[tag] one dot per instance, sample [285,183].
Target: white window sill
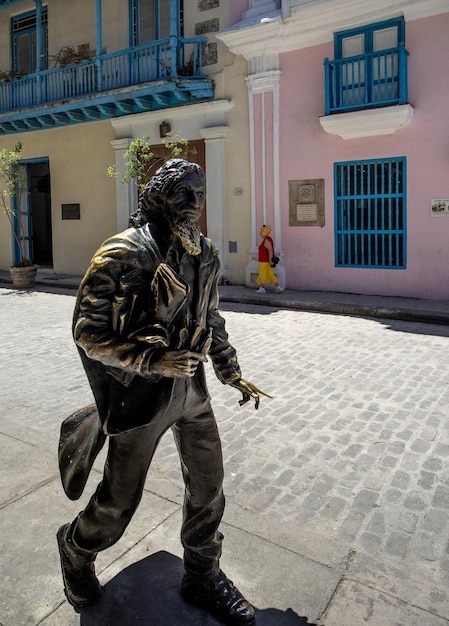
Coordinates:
[368,123]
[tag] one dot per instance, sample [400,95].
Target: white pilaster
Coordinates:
[126,194]
[265,81]
[214,139]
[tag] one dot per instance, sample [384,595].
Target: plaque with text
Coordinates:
[71,211]
[306,202]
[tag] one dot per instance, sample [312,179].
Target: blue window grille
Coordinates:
[369,70]
[370,213]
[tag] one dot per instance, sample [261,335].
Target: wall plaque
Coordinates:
[440,208]
[306,202]
[71,211]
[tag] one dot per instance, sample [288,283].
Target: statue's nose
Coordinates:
[194,199]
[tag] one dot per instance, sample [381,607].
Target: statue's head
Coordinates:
[175,194]
[170,173]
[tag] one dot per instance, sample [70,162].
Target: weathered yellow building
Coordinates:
[79,81]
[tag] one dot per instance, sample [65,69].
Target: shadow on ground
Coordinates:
[147,593]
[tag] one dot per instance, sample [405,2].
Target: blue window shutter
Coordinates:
[370,213]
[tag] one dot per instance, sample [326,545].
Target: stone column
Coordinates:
[214,138]
[126,194]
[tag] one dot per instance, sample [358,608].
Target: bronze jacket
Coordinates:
[141,295]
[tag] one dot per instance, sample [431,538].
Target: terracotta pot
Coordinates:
[23,277]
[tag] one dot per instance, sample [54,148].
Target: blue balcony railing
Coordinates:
[164,59]
[375,79]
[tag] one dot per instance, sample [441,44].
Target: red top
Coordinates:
[264,255]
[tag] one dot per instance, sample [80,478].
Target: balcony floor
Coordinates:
[108,104]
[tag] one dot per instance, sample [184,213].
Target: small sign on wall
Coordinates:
[306,202]
[71,211]
[440,208]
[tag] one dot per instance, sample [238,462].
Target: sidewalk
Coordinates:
[387,307]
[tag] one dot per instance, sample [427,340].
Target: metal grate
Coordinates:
[370,213]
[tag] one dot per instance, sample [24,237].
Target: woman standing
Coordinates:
[266,271]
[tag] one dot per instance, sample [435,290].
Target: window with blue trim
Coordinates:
[23,41]
[150,19]
[370,67]
[370,213]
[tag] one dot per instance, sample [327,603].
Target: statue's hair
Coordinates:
[152,198]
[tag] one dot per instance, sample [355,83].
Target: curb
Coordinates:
[301,303]
[406,315]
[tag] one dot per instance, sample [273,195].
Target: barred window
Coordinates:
[370,213]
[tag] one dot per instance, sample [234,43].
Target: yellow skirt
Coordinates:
[266,274]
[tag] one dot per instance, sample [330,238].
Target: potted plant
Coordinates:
[67,55]
[186,69]
[7,75]
[23,271]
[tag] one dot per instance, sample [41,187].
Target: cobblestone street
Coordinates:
[353,447]
[355,443]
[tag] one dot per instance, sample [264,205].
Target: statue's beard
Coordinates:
[189,232]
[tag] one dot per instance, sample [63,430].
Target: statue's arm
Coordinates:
[223,355]
[101,320]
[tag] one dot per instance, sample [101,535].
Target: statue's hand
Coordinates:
[249,391]
[177,364]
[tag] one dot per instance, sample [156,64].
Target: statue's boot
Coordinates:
[81,585]
[218,595]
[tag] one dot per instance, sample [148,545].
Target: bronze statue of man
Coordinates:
[145,320]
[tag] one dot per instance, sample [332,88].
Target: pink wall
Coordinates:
[308,152]
[236,9]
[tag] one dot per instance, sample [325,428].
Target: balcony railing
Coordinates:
[375,79]
[164,59]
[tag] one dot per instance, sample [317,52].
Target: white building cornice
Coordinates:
[252,41]
[206,111]
[314,23]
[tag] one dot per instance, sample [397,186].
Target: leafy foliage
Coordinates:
[139,156]
[12,188]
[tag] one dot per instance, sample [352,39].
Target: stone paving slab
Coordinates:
[30,578]
[143,585]
[22,478]
[416,586]
[369,606]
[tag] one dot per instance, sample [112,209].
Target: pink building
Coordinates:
[349,137]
